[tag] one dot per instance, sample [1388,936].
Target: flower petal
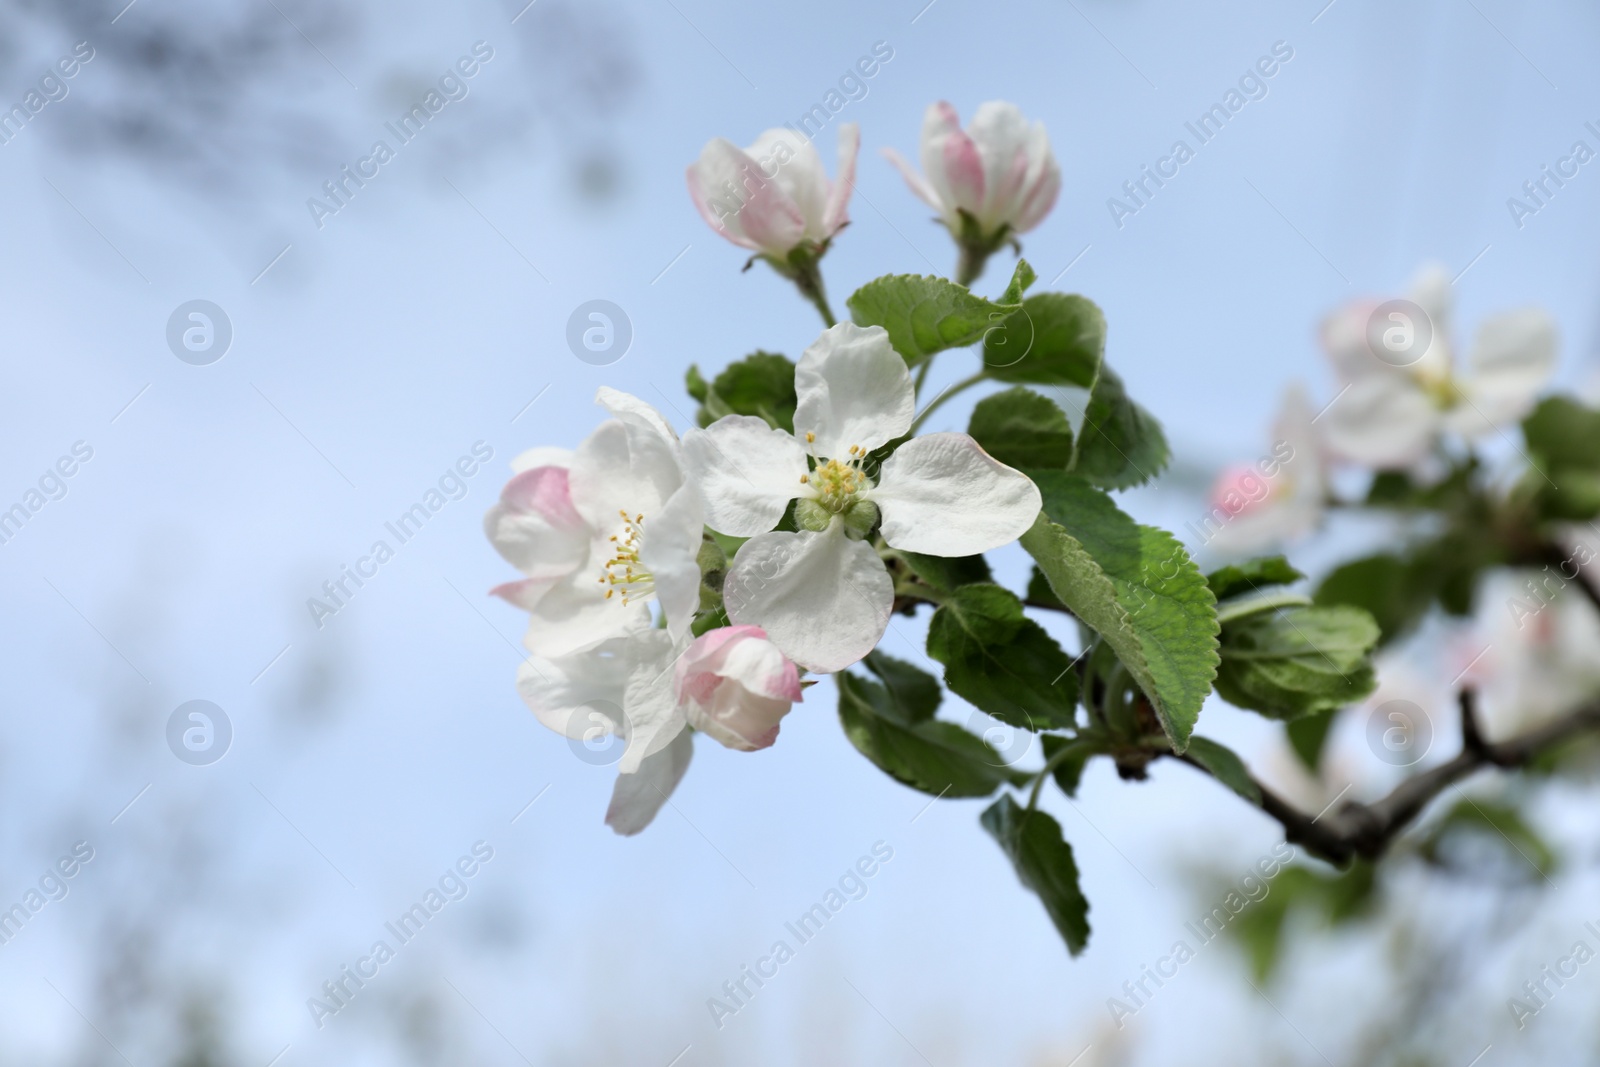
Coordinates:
[1002,139]
[743,204]
[918,184]
[651,707]
[822,598]
[1044,181]
[1382,421]
[943,495]
[542,456]
[622,467]
[746,472]
[670,551]
[534,526]
[853,389]
[837,211]
[797,169]
[576,696]
[575,615]
[635,412]
[1512,358]
[637,797]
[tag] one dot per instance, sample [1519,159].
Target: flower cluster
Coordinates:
[1403,401]
[640,626]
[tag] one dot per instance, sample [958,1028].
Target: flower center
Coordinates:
[838,481]
[623,572]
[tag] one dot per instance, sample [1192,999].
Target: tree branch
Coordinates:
[1363,830]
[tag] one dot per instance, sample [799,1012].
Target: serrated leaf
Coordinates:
[1055,339]
[1137,587]
[1225,766]
[1299,661]
[1023,429]
[924,314]
[1120,443]
[1002,662]
[936,757]
[1043,861]
[948,573]
[914,693]
[1250,576]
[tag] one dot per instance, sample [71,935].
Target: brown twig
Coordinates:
[1366,830]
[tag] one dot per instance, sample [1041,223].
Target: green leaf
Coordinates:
[695,383]
[1021,428]
[1393,591]
[936,757]
[1298,661]
[948,573]
[1039,592]
[1078,750]
[1225,766]
[1002,662]
[1021,277]
[914,693]
[1307,736]
[760,384]
[1137,587]
[1120,443]
[924,314]
[1251,575]
[1055,339]
[1563,433]
[1044,863]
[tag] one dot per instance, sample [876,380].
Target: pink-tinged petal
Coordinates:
[745,205]
[938,123]
[546,491]
[717,205]
[524,594]
[943,495]
[918,184]
[963,173]
[1040,197]
[736,686]
[837,212]
[535,527]
[638,797]
[1006,192]
[1239,490]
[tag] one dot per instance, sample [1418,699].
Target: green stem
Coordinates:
[1044,772]
[961,386]
[918,591]
[922,375]
[808,279]
[970,264]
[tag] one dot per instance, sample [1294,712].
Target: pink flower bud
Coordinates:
[1000,170]
[774,195]
[735,686]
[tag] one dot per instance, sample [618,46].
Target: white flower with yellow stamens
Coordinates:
[822,594]
[601,532]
